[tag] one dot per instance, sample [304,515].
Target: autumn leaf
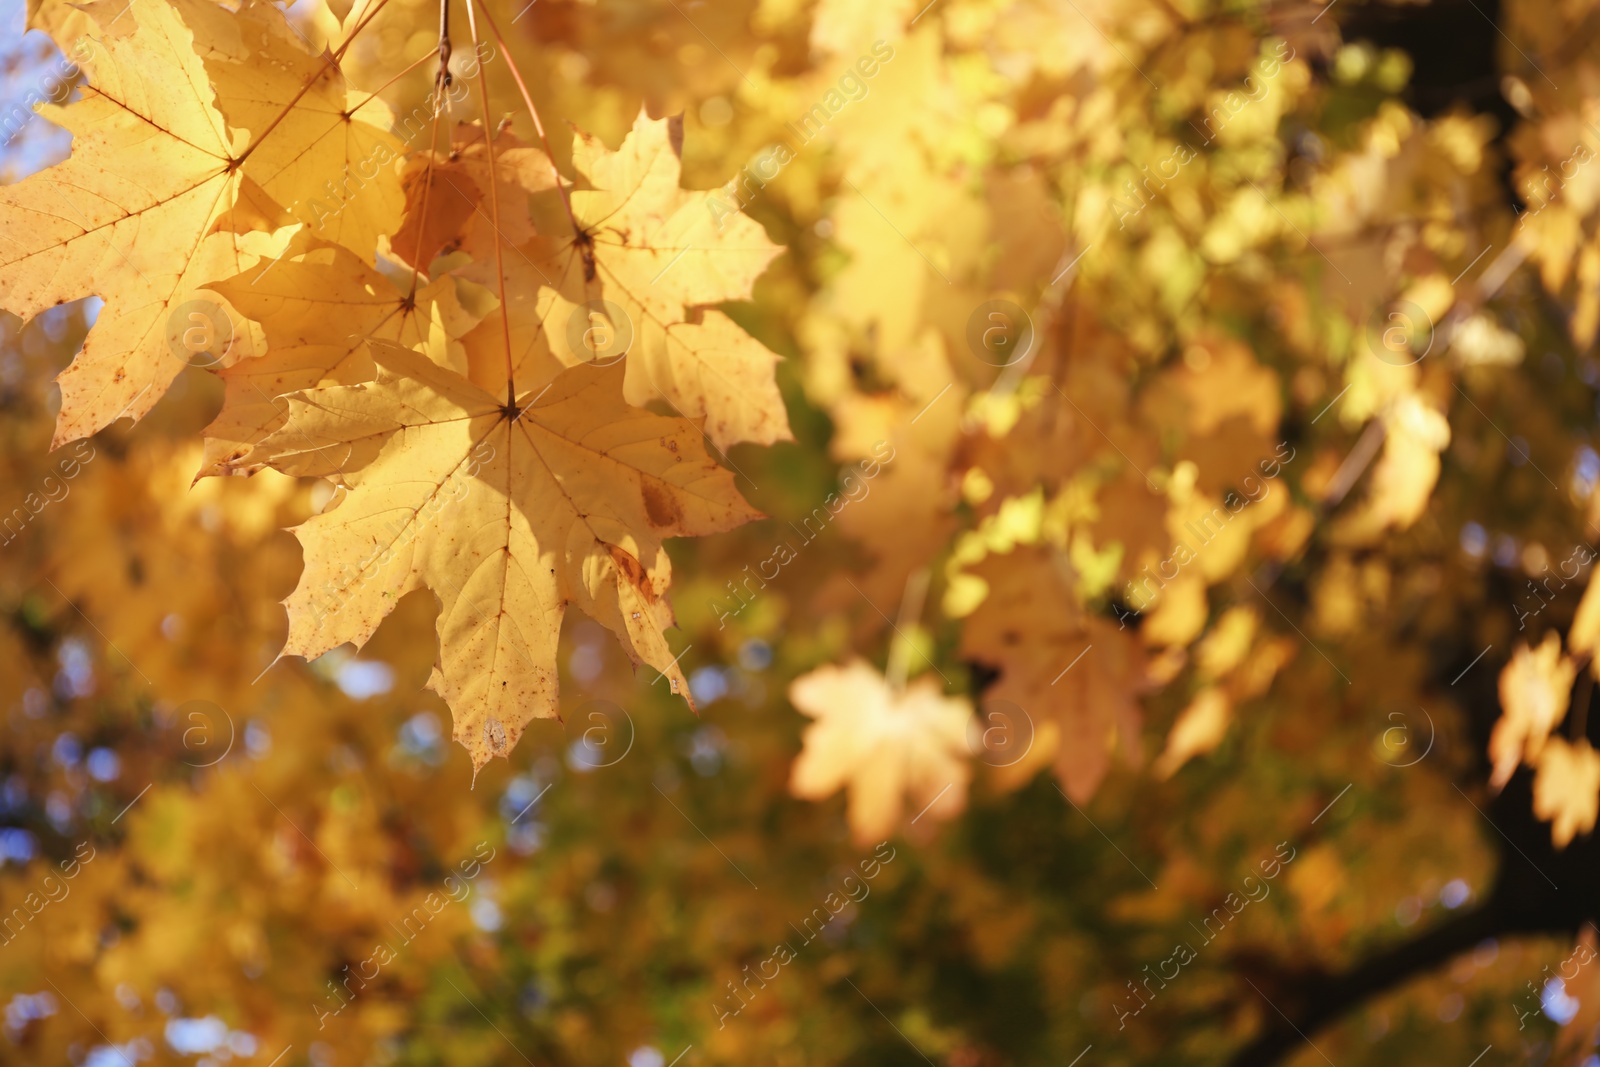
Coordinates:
[318,147]
[1229,639]
[1566,788]
[1405,474]
[447,201]
[1583,637]
[661,256]
[1074,673]
[883,746]
[149,208]
[318,307]
[1534,689]
[1222,249]
[507,514]
[1200,727]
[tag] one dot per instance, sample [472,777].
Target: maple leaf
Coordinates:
[881,745]
[149,207]
[1074,673]
[507,514]
[1583,637]
[1404,477]
[660,255]
[448,205]
[317,147]
[1200,727]
[1566,789]
[1534,689]
[318,307]
[905,467]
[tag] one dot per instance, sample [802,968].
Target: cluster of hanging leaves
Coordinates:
[1168,410]
[474,452]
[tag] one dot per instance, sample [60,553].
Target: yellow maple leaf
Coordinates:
[318,148]
[1179,612]
[1224,648]
[317,308]
[881,745]
[1200,728]
[448,203]
[1073,673]
[649,260]
[1404,476]
[1584,636]
[507,513]
[1534,689]
[1566,789]
[149,207]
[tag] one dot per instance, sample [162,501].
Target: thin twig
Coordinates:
[338,53]
[427,193]
[441,80]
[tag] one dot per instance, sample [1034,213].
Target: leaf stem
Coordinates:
[911,602]
[374,94]
[527,99]
[494,207]
[440,82]
[338,53]
[427,190]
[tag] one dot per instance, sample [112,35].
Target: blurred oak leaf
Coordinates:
[507,513]
[882,745]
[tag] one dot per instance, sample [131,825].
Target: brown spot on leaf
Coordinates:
[660,507]
[634,571]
